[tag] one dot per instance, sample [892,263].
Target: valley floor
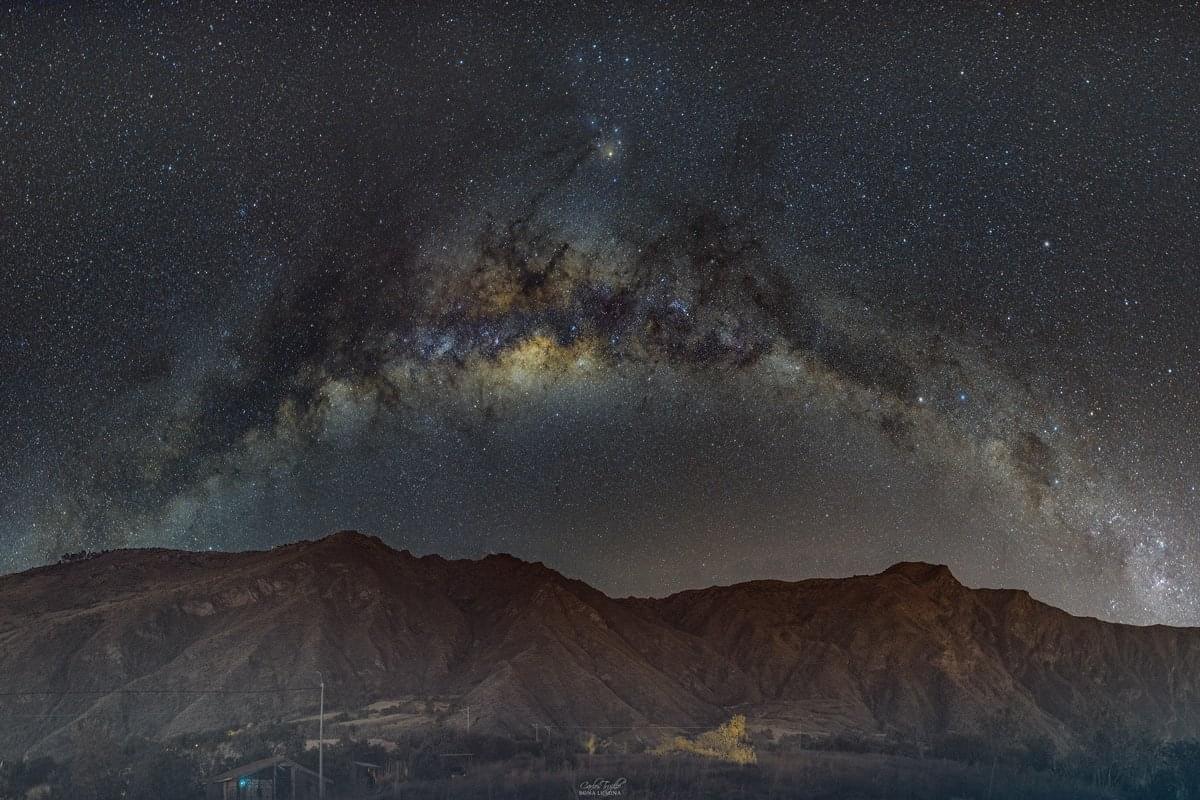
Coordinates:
[815,776]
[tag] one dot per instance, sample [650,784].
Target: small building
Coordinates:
[366,776]
[276,778]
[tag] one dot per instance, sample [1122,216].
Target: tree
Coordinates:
[164,773]
[1177,772]
[20,779]
[727,742]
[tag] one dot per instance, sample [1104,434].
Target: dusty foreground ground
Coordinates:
[842,776]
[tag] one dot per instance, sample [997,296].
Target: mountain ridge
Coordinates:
[909,653]
[900,567]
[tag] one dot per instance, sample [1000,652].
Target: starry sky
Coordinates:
[661,295]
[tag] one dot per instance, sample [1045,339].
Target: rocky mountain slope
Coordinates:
[160,643]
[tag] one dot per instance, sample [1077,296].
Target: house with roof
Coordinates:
[275,778]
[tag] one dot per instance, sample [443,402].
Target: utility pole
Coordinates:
[468,720]
[321,744]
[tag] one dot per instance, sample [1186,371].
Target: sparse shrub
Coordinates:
[965,747]
[1040,752]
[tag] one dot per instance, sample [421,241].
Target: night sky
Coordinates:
[661,295]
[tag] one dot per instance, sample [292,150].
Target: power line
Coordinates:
[76,692]
[631,726]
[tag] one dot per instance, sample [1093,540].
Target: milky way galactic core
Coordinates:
[663,296]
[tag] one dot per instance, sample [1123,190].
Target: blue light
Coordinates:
[243,782]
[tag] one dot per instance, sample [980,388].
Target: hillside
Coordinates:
[136,642]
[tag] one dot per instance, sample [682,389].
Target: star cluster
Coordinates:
[663,296]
